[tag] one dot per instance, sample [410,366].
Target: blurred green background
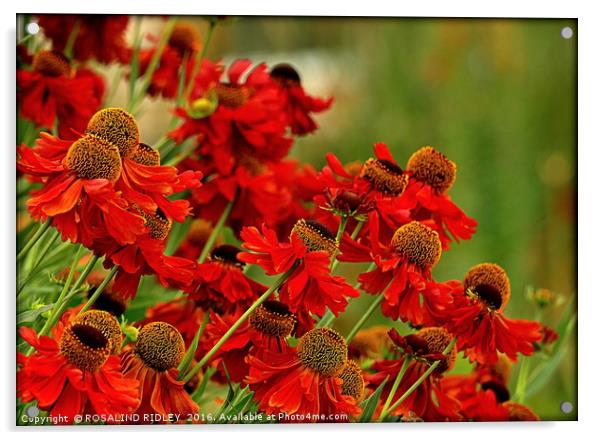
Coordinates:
[497,96]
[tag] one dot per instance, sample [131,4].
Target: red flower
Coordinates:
[431,176]
[298,104]
[146,185]
[266,331]
[153,361]
[310,287]
[477,320]
[518,412]
[233,352]
[78,190]
[248,122]
[304,380]
[178,54]
[428,401]
[221,285]
[181,313]
[143,181]
[479,405]
[302,184]
[403,271]
[108,191]
[74,373]
[482,392]
[146,257]
[101,37]
[54,91]
[258,198]
[549,335]
[378,183]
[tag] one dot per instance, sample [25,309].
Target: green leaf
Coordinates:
[237,407]
[369,405]
[189,356]
[198,393]
[32,315]
[541,376]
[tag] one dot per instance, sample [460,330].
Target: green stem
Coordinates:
[198,59]
[357,229]
[71,40]
[52,318]
[70,275]
[61,303]
[521,383]
[421,379]
[198,393]
[189,356]
[33,240]
[360,323]
[165,140]
[216,230]
[177,158]
[153,64]
[402,372]
[329,317]
[99,289]
[334,262]
[194,370]
[38,259]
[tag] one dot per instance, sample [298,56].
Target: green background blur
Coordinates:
[497,96]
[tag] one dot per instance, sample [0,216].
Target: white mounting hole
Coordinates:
[566,33]
[32,28]
[566,407]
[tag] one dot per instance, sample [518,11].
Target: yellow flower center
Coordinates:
[285,75]
[146,155]
[158,224]
[273,318]
[353,382]
[437,339]
[418,243]
[104,322]
[232,96]
[323,350]
[94,158]
[109,300]
[118,127]
[185,37]
[520,413]
[488,283]
[315,236]
[52,63]
[199,232]
[85,347]
[432,167]
[227,254]
[160,346]
[385,176]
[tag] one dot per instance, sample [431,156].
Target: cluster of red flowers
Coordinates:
[100,186]
[108,191]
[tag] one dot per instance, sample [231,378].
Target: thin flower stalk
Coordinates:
[193,371]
